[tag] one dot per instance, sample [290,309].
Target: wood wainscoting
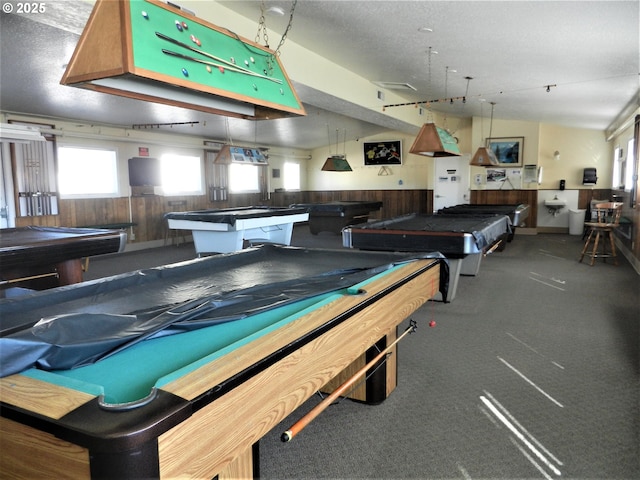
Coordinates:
[394,202]
[509,197]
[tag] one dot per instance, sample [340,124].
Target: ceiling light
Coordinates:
[485,157]
[248,155]
[433,141]
[336,163]
[165,71]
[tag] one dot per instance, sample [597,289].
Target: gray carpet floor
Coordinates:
[532,372]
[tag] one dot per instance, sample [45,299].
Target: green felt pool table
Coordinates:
[195,404]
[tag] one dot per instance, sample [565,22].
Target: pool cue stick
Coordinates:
[217,65]
[33,181]
[328,400]
[492,249]
[201,52]
[27,179]
[226,64]
[24,279]
[44,174]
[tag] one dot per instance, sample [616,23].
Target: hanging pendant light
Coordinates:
[484,156]
[433,141]
[337,162]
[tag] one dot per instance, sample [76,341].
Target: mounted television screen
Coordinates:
[144,172]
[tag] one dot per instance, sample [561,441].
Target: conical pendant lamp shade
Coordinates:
[433,141]
[336,163]
[484,157]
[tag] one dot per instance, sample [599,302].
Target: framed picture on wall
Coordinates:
[383,153]
[508,150]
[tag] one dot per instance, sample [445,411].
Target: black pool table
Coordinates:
[334,216]
[246,338]
[44,257]
[518,213]
[462,239]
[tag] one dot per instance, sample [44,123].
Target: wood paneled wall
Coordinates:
[585,196]
[509,197]
[93,211]
[146,211]
[394,202]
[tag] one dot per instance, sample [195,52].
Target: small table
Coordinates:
[462,239]
[216,390]
[334,216]
[45,257]
[225,230]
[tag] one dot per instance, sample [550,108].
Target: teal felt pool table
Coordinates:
[251,336]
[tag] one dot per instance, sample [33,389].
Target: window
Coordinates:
[291,176]
[87,172]
[243,178]
[631,161]
[181,175]
[618,171]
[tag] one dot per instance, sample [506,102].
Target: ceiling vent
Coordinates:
[395,86]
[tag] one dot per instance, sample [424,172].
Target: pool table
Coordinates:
[45,257]
[334,216]
[462,239]
[225,230]
[518,213]
[256,333]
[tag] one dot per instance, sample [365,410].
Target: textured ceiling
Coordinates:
[589,51]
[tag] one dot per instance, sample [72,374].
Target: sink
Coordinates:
[555,205]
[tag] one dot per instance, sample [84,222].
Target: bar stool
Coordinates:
[607,219]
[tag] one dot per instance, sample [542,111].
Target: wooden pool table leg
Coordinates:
[70,272]
[379,383]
